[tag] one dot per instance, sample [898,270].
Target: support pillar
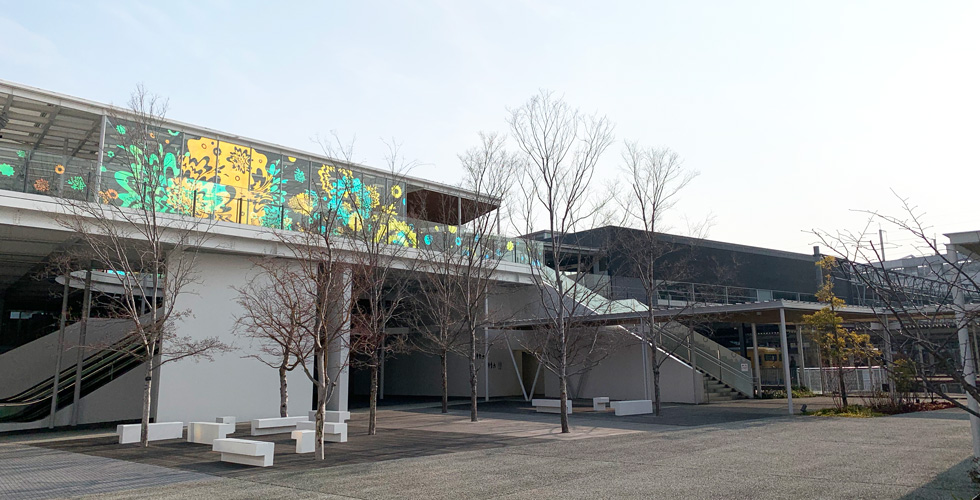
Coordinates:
[80,353]
[784,344]
[755,361]
[338,354]
[801,362]
[741,340]
[61,348]
[486,364]
[966,356]
[381,372]
[486,345]
[889,360]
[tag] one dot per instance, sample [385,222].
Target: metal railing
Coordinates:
[710,357]
[681,292]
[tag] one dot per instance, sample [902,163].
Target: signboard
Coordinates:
[745,367]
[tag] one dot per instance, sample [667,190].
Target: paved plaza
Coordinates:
[739,449]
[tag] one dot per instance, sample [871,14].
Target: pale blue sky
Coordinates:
[793,112]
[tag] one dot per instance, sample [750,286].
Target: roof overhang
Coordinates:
[967,243]
[753,312]
[447,208]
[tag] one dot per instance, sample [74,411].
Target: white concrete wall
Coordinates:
[418,374]
[192,390]
[620,376]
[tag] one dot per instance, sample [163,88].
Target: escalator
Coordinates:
[98,370]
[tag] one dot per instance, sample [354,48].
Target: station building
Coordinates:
[55,147]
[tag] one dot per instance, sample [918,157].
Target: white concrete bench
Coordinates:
[599,404]
[226,420]
[130,433]
[207,432]
[551,405]
[264,426]
[333,432]
[305,441]
[336,417]
[244,451]
[637,407]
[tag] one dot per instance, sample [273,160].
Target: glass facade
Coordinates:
[172,171]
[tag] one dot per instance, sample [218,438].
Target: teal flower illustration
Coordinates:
[76,183]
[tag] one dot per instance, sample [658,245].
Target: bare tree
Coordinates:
[381,266]
[148,239]
[320,272]
[655,178]
[927,315]
[460,262]
[561,150]
[280,315]
[371,211]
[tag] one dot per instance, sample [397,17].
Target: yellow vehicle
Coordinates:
[769,357]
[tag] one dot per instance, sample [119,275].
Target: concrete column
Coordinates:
[338,356]
[966,356]
[80,353]
[886,335]
[784,344]
[381,372]
[61,348]
[801,362]
[755,360]
[486,364]
[741,340]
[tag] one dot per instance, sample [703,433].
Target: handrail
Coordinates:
[725,372]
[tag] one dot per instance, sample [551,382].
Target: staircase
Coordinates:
[27,372]
[721,367]
[715,391]
[99,369]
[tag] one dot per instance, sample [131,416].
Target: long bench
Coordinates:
[333,432]
[130,433]
[636,407]
[207,432]
[280,425]
[244,451]
[551,405]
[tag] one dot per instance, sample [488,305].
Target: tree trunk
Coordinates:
[283,395]
[656,382]
[445,383]
[321,404]
[563,398]
[656,365]
[147,388]
[473,380]
[840,382]
[321,401]
[373,401]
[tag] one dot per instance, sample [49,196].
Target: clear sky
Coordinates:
[795,113]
